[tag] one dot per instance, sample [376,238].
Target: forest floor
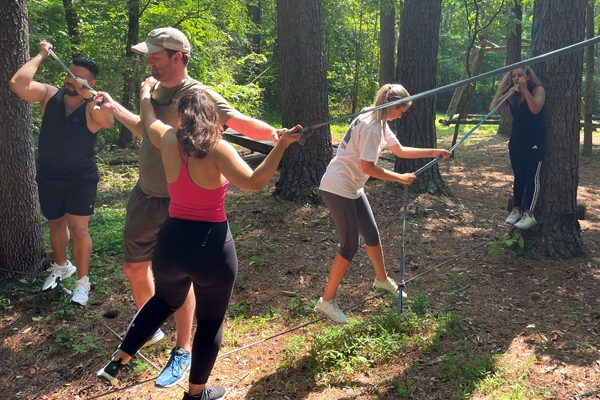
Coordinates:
[483,326]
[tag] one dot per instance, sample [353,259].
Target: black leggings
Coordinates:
[526,164]
[189,252]
[351,217]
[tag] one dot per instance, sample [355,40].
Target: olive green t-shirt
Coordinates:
[152,180]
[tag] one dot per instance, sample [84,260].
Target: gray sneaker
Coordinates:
[526,222]
[331,310]
[58,273]
[514,216]
[389,286]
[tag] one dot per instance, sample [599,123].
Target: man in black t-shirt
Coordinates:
[67,176]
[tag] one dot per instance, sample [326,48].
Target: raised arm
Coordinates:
[241,175]
[155,128]
[22,82]
[130,120]
[253,128]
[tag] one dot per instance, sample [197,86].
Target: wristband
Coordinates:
[89,100]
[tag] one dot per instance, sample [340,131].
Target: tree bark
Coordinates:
[557,233]
[387,42]
[588,129]
[301,43]
[21,239]
[73,26]
[417,68]
[513,55]
[131,69]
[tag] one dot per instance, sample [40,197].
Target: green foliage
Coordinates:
[106,229]
[79,342]
[507,243]
[467,371]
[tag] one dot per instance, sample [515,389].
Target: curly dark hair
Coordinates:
[199,129]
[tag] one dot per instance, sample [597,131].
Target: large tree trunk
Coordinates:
[73,26]
[589,81]
[513,55]
[557,233]
[131,69]
[303,97]
[417,68]
[387,44]
[21,239]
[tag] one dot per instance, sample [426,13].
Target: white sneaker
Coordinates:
[526,222]
[390,286]
[81,291]
[514,216]
[58,273]
[331,310]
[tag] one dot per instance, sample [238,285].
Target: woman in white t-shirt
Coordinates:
[343,193]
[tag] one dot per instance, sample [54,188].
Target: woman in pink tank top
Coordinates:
[194,245]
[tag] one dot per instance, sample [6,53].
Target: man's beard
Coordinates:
[161,76]
[70,92]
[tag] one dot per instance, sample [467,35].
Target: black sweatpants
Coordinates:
[189,253]
[526,165]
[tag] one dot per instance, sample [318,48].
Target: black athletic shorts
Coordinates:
[75,194]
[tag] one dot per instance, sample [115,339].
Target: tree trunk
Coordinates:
[464,112]
[387,42]
[21,239]
[73,26]
[557,234]
[357,64]
[588,129]
[417,67]
[255,14]
[130,70]
[513,55]
[304,101]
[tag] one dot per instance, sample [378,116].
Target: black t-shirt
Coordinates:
[66,145]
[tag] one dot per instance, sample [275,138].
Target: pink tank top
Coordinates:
[190,201]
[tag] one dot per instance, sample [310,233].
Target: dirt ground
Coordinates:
[541,314]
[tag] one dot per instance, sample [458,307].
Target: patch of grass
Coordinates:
[495,384]
[106,229]
[467,371]
[337,350]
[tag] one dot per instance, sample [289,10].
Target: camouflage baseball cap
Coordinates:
[163,38]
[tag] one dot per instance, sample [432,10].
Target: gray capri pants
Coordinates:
[352,217]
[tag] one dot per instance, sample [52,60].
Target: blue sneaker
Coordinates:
[179,362]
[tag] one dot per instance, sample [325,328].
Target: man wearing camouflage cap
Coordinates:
[168,53]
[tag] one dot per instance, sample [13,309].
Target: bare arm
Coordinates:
[22,82]
[130,120]
[241,175]
[100,118]
[369,168]
[535,100]
[412,152]
[253,128]
[155,128]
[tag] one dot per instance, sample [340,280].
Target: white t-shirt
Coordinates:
[364,140]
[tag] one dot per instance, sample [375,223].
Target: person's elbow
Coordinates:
[367,167]
[13,85]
